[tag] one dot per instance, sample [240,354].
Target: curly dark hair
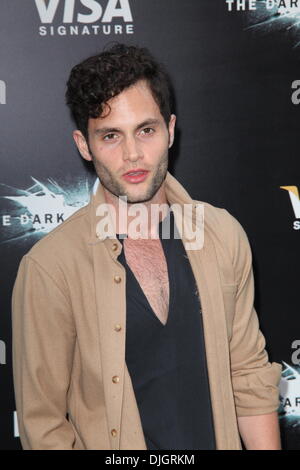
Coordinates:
[97,79]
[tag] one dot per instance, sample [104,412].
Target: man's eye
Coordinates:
[110,136]
[147,131]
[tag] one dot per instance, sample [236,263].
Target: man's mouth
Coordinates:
[135,176]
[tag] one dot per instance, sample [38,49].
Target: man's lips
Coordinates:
[135,176]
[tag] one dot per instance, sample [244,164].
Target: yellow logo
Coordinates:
[295,200]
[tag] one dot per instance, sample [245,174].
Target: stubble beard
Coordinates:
[111,184]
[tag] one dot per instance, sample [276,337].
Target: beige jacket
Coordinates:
[68,300]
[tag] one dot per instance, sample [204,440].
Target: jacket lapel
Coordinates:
[204,264]
[124,425]
[205,267]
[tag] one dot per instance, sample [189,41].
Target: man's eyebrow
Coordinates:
[148,122]
[108,130]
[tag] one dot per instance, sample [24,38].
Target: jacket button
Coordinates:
[116,379]
[115,247]
[118,328]
[117,279]
[114,432]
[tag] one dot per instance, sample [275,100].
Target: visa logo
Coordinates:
[114,9]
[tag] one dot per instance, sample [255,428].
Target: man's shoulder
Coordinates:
[224,229]
[216,217]
[63,239]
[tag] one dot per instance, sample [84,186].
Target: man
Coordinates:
[136,342]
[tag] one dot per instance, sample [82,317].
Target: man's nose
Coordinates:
[131,149]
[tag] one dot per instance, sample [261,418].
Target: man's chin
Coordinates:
[127,196]
[139,195]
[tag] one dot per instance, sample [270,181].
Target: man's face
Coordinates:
[131,137]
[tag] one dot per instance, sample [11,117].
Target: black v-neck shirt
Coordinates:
[167,363]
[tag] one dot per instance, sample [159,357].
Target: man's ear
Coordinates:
[172,129]
[82,145]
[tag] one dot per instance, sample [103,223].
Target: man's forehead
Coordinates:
[135,104]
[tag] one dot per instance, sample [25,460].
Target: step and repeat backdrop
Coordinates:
[236,76]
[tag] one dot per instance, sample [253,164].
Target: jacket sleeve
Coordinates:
[255,380]
[43,344]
